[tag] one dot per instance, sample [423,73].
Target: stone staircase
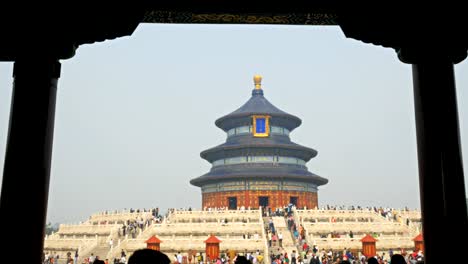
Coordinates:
[392,234]
[298,222]
[101,251]
[117,248]
[188,230]
[288,244]
[413,229]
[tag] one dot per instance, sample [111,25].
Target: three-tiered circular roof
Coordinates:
[247,145]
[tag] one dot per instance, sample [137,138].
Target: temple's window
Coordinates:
[288,160]
[279,130]
[218,162]
[231,132]
[259,159]
[262,158]
[248,130]
[243,130]
[276,130]
[235,160]
[239,130]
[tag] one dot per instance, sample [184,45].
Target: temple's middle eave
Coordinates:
[224,150]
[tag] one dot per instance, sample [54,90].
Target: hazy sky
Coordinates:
[133,114]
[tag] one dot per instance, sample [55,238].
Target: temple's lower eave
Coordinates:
[209,180]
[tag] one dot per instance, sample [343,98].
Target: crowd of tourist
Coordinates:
[54,258]
[312,255]
[309,256]
[305,254]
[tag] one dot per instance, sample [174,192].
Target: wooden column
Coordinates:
[247,198]
[441,180]
[26,172]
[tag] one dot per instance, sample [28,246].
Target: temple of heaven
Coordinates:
[258,165]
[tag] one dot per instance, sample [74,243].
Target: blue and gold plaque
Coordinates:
[261,125]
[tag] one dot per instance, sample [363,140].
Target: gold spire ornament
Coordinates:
[258,81]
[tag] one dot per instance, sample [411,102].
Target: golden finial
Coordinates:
[258,81]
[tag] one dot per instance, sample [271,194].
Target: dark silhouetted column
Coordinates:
[26,173]
[441,181]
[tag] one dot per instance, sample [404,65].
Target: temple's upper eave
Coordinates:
[258,105]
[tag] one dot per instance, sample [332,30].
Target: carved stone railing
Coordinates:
[62,246]
[215,216]
[383,243]
[86,229]
[186,244]
[266,257]
[314,228]
[119,217]
[207,228]
[340,215]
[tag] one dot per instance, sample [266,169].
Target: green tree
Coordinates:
[50,228]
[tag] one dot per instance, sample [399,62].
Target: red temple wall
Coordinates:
[277,199]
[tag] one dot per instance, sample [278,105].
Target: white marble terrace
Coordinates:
[183,231]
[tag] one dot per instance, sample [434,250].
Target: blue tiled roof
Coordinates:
[252,171]
[246,144]
[271,145]
[258,104]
